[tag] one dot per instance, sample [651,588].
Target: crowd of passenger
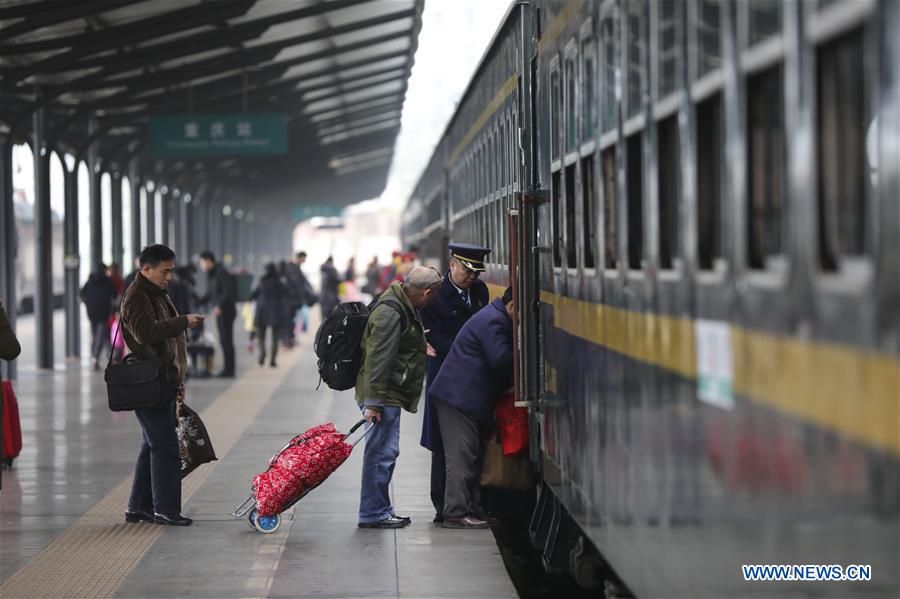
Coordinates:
[425,328]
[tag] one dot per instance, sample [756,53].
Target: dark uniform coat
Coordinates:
[479,367]
[445,315]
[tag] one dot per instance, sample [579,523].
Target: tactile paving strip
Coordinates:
[94,556]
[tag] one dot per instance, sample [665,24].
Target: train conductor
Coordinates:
[461,295]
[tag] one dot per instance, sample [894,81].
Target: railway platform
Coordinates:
[63,532]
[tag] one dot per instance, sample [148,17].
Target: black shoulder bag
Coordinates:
[137,383]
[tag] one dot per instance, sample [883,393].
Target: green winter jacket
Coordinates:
[393,361]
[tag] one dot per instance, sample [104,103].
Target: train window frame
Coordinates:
[590,216]
[556,105]
[589,78]
[571,98]
[717,272]
[745,12]
[511,154]
[697,68]
[504,166]
[610,72]
[610,209]
[673,211]
[635,210]
[772,271]
[854,274]
[571,182]
[656,50]
[556,181]
[633,108]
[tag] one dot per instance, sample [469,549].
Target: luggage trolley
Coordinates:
[269,523]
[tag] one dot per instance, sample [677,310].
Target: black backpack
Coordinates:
[338,340]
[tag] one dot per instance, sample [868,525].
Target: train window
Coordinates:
[610,225]
[709,46]
[571,132]
[492,164]
[501,226]
[668,50]
[669,182]
[610,73]
[635,213]
[709,181]
[765,166]
[764,19]
[570,216]
[482,172]
[502,141]
[588,216]
[588,99]
[635,15]
[555,106]
[843,122]
[557,232]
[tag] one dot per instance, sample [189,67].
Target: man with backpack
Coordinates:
[390,379]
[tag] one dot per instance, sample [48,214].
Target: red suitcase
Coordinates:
[300,466]
[12,429]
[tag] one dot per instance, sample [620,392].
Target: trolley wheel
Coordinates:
[264,524]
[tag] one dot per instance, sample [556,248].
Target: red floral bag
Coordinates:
[512,424]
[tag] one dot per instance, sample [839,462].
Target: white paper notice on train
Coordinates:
[715,372]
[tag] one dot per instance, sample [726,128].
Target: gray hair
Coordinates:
[423,277]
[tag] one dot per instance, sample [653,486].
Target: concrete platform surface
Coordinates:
[62,533]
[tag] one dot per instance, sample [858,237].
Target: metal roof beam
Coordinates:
[60,13]
[89,43]
[227,63]
[263,76]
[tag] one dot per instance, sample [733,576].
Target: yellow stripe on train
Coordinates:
[849,391]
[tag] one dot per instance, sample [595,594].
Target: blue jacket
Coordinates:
[479,366]
[445,315]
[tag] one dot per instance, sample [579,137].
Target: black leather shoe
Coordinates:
[138,516]
[465,522]
[407,518]
[392,522]
[438,519]
[176,520]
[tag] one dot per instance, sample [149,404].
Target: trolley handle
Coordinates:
[355,427]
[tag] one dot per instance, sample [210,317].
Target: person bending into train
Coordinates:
[461,295]
[474,374]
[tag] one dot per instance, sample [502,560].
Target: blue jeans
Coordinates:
[382,449]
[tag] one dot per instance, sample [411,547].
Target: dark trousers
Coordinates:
[157,475]
[463,451]
[100,332]
[273,348]
[225,323]
[438,463]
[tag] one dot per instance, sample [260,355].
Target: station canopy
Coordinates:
[110,72]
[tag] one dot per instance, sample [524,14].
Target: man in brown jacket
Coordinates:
[152,328]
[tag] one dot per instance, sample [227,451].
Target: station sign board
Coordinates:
[300,213]
[199,135]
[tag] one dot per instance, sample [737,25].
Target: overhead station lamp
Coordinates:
[187,198]
[163,190]
[151,186]
[176,193]
[239,214]
[226,210]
